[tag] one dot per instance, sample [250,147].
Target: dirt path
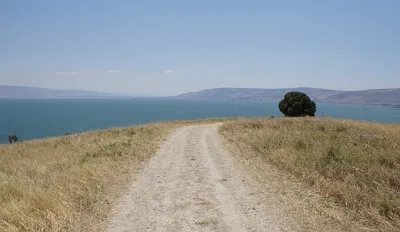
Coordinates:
[193,184]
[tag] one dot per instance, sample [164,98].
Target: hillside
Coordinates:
[354,164]
[373,96]
[69,183]
[33,92]
[317,173]
[256,94]
[382,96]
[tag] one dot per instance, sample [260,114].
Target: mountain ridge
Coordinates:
[370,96]
[20,92]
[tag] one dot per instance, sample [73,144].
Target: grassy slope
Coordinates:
[69,183]
[356,164]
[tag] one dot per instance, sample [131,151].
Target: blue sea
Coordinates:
[30,119]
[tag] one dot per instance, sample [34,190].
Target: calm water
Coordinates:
[41,118]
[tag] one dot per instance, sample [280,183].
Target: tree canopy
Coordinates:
[297,104]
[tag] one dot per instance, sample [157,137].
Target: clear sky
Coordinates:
[169,47]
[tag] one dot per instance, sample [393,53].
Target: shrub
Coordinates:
[13,138]
[297,104]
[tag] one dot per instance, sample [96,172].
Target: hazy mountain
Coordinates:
[382,96]
[32,92]
[372,96]
[257,94]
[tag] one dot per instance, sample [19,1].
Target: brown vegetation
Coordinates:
[68,183]
[354,163]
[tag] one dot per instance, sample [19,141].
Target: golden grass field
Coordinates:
[68,183]
[356,164]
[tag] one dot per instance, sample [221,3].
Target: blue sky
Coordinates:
[169,47]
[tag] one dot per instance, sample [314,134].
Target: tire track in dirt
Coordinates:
[193,184]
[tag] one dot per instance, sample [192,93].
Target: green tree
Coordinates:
[297,104]
[15,138]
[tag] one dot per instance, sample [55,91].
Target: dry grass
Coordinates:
[69,183]
[354,163]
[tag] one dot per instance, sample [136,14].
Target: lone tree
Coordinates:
[297,104]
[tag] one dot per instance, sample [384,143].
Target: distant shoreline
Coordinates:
[193,99]
[371,96]
[365,97]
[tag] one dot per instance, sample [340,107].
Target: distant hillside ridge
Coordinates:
[257,93]
[33,92]
[43,93]
[372,96]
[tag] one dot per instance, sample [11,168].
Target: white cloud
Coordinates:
[67,73]
[169,71]
[113,71]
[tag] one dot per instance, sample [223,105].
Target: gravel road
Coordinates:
[193,184]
